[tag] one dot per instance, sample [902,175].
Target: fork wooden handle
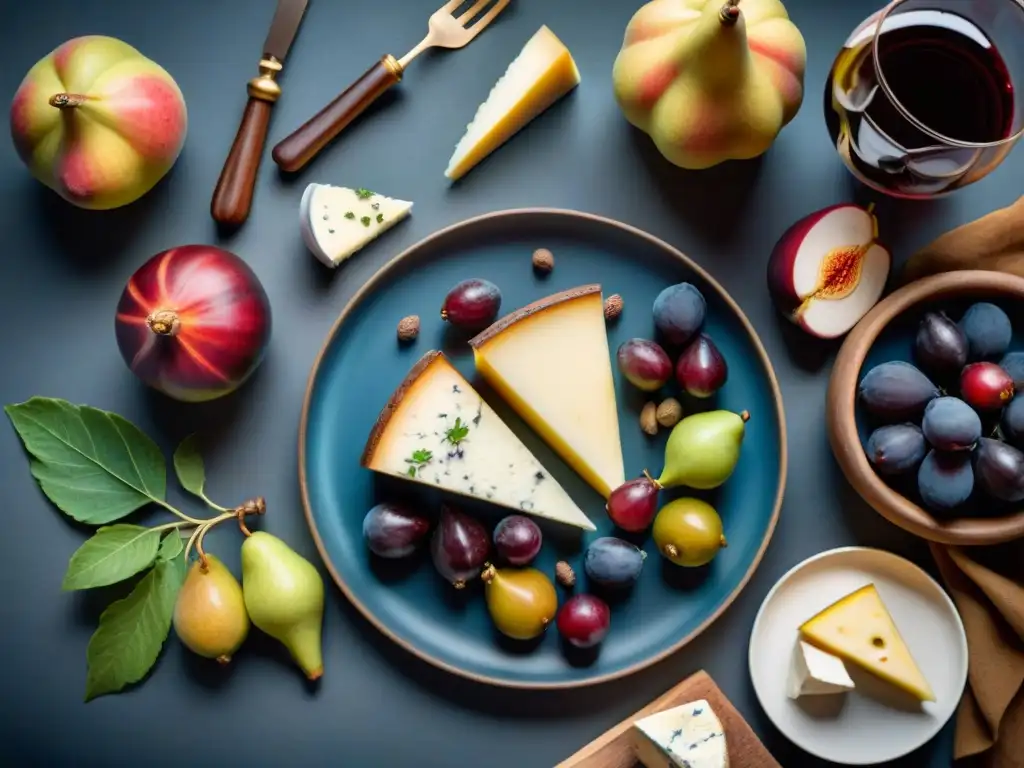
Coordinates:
[294,151]
[232,198]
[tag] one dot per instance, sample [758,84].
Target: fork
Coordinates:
[445,31]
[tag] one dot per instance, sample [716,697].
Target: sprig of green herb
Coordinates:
[98,468]
[349,215]
[364,194]
[420,458]
[457,433]
[365,221]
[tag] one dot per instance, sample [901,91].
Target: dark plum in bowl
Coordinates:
[928,448]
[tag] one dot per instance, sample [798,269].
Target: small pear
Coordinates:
[209,614]
[284,595]
[522,601]
[703,449]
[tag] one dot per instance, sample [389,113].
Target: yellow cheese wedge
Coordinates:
[550,361]
[859,629]
[541,74]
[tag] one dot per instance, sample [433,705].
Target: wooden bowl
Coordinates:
[894,318]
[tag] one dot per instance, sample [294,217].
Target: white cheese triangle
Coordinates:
[437,430]
[540,75]
[338,221]
[815,672]
[687,736]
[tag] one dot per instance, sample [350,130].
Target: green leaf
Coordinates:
[132,631]
[94,465]
[113,554]
[188,463]
[171,546]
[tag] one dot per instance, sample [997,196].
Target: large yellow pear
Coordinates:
[711,80]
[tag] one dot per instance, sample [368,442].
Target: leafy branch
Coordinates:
[98,468]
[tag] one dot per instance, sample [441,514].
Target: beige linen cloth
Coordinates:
[986,583]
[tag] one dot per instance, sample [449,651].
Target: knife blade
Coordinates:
[232,197]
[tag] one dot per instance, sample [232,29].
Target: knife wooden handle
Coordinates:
[294,151]
[232,197]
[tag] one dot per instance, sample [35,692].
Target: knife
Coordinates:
[232,197]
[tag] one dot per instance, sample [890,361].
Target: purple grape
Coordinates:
[950,424]
[945,480]
[472,304]
[517,539]
[613,562]
[644,364]
[988,330]
[393,531]
[701,370]
[1013,421]
[584,620]
[633,505]
[459,547]
[896,391]
[896,449]
[1000,470]
[941,345]
[679,312]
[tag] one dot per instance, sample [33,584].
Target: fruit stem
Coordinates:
[745,415]
[203,563]
[722,542]
[67,100]
[164,322]
[730,12]
[671,550]
[179,514]
[655,483]
[488,573]
[257,506]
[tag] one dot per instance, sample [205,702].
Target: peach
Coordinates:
[98,122]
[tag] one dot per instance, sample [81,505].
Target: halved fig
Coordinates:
[828,270]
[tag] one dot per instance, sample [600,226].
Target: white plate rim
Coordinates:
[828,554]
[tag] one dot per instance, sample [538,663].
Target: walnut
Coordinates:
[649,419]
[408,328]
[612,306]
[543,260]
[564,574]
[669,412]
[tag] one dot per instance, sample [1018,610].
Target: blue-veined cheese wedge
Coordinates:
[688,736]
[338,221]
[437,430]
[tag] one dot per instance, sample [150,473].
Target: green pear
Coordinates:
[703,449]
[284,595]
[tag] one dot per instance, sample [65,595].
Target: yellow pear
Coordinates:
[209,614]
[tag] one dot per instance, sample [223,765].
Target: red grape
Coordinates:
[701,370]
[517,539]
[459,547]
[633,505]
[392,531]
[584,620]
[472,304]
[644,364]
[986,386]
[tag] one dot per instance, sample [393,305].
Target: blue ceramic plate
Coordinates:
[361,363]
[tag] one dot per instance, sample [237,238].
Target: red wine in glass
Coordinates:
[921,100]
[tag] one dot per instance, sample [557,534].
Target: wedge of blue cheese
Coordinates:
[437,430]
[338,221]
[815,672]
[688,736]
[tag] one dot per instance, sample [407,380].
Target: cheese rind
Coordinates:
[540,75]
[815,672]
[860,629]
[338,221]
[437,430]
[687,736]
[551,362]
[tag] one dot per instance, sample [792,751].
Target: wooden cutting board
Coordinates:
[613,749]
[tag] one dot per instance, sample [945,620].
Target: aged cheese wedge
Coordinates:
[859,629]
[687,736]
[815,672]
[550,361]
[541,74]
[338,221]
[438,431]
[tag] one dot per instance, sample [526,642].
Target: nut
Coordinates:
[612,307]
[543,260]
[669,412]
[564,574]
[408,328]
[649,419]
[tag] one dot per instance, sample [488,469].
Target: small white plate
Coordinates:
[875,722]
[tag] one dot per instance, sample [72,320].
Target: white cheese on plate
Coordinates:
[815,672]
[338,221]
[688,736]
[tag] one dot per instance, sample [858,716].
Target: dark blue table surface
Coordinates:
[62,271]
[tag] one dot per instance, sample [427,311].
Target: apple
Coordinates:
[98,122]
[828,270]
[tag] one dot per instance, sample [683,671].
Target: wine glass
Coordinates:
[927,96]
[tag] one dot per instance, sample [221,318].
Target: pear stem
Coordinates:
[730,12]
[203,563]
[67,100]
[257,506]
[654,482]
[745,415]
